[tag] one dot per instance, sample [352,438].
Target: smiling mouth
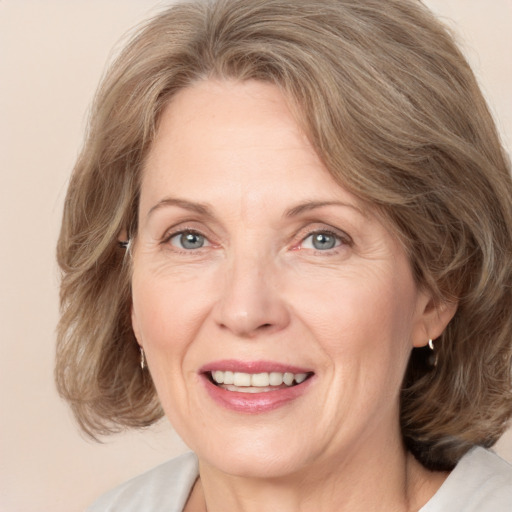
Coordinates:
[256,382]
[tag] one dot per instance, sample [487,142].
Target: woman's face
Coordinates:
[252,266]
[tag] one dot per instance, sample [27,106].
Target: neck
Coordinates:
[363,480]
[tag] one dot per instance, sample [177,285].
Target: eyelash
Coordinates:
[169,236]
[341,240]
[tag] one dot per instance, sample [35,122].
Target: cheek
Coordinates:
[353,307]
[362,322]
[165,317]
[167,312]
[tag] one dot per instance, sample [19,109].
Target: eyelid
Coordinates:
[179,234]
[172,232]
[338,240]
[184,225]
[340,235]
[180,229]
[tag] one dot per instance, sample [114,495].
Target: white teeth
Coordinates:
[275,379]
[248,389]
[261,380]
[257,380]
[288,378]
[242,379]
[300,377]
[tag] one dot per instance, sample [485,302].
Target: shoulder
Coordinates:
[165,487]
[480,482]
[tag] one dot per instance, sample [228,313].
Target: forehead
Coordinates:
[241,135]
[215,116]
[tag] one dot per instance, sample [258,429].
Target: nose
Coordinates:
[250,300]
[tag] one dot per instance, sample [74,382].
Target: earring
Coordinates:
[432,357]
[142,358]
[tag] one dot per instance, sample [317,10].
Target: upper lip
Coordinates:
[234,365]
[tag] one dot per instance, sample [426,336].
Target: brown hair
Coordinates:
[394,111]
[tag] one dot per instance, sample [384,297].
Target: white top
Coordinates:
[481,482]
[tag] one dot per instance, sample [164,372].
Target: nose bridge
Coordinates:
[250,301]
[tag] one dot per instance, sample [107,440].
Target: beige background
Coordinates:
[52,54]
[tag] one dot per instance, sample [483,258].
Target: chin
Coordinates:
[266,457]
[256,465]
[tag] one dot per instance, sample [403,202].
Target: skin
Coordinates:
[259,289]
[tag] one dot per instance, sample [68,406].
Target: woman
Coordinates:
[289,230]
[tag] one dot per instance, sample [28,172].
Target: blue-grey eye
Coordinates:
[321,241]
[188,240]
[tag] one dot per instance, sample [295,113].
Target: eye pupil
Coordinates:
[323,241]
[191,241]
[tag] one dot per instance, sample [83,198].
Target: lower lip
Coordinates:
[255,403]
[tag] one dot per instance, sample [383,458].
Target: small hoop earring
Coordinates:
[432,357]
[142,359]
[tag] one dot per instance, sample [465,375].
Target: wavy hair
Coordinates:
[395,113]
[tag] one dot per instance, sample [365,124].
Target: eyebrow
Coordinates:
[205,210]
[200,208]
[313,205]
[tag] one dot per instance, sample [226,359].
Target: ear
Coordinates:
[122,235]
[433,317]
[123,241]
